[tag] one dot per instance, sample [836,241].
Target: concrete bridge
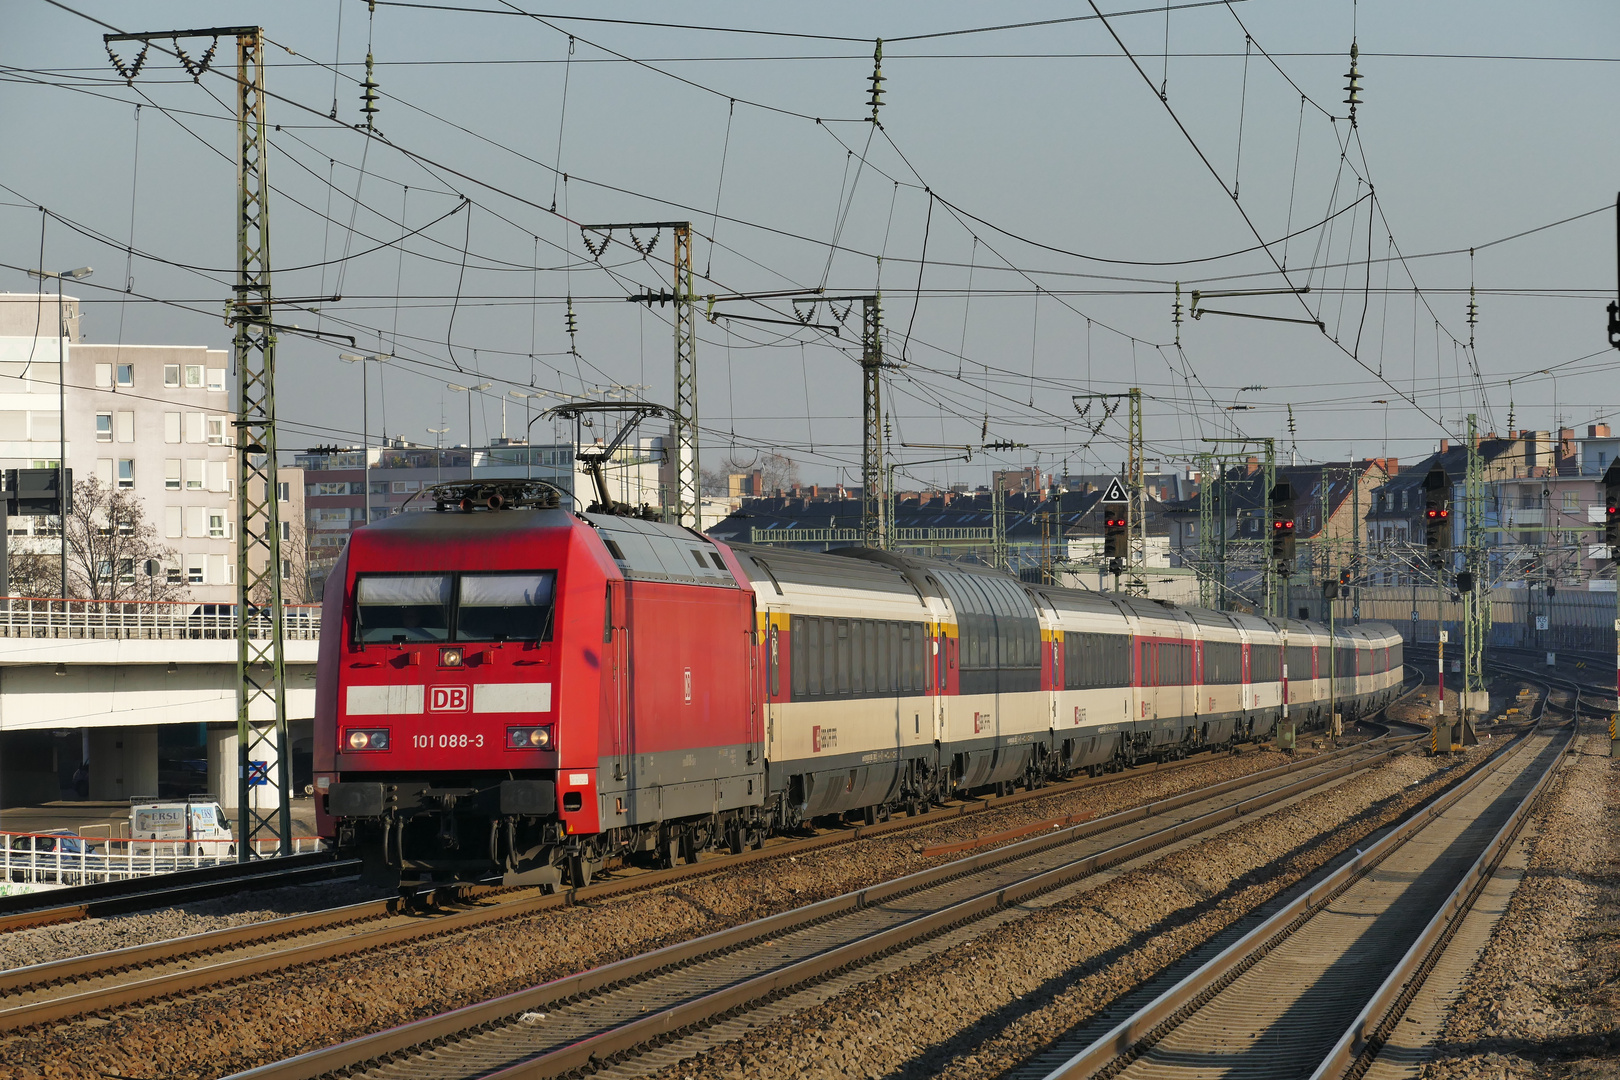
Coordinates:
[143,692]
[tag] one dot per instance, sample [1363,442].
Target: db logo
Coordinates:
[447,699]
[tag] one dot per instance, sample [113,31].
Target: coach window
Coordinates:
[841,664]
[403,608]
[504,607]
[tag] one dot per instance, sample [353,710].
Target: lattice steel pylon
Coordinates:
[686,504]
[873,502]
[1475,607]
[261,698]
[1136,527]
[261,676]
[688,485]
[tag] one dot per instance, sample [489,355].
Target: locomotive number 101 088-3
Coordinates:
[447,741]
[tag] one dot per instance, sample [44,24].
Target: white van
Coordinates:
[195,826]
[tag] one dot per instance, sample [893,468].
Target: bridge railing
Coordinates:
[55,859]
[29,617]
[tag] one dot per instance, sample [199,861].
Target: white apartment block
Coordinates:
[152,419]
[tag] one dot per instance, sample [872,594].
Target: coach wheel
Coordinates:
[735,841]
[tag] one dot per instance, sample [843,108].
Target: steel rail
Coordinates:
[1134,1035]
[1369,1031]
[703,998]
[165,890]
[64,973]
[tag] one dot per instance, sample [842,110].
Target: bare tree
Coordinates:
[295,582]
[34,573]
[779,472]
[112,548]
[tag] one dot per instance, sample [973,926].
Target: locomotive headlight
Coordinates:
[368,739]
[451,657]
[528,738]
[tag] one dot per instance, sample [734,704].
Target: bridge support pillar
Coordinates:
[123,762]
[222,767]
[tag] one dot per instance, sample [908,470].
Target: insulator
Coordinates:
[134,69]
[368,94]
[875,98]
[1175,313]
[569,320]
[1353,88]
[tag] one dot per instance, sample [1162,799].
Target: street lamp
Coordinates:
[365,417]
[528,422]
[61,405]
[438,449]
[469,391]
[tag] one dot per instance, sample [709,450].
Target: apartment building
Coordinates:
[153,420]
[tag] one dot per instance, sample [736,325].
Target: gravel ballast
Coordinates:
[270,1018]
[983,1008]
[43,944]
[1544,998]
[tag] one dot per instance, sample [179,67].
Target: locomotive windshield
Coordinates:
[504,607]
[402,608]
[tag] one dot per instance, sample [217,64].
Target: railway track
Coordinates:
[585,1019]
[165,890]
[1315,989]
[94,901]
[100,981]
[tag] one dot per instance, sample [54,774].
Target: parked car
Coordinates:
[57,855]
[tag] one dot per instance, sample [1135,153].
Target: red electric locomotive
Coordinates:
[476,695]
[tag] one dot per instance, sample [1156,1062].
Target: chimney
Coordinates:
[1253,465]
[1598,431]
[1445,445]
[1513,433]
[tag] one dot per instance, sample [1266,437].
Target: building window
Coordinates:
[171,376]
[171,427]
[126,374]
[216,379]
[286,530]
[1572,500]
[126,425]
[194,474]
[171,574]
[194,427]
[126,472]
[216,524]
[194,376]
[173,526]
[216,431]
[286,570]
[104,427]
[194,570]
[104,375]
[329,488]
[402,487]
[283,491]
[171,474]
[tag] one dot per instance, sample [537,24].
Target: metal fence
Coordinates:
[25,617]
[56,859]
[1570,619]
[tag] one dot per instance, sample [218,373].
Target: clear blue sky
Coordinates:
[1012,153]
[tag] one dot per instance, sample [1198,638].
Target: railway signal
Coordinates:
[1116,539]
[1282,523]
[1436,509]
[1611,510]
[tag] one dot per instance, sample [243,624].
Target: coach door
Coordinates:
[777,674]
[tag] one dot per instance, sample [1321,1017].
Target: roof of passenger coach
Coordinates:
[770,568]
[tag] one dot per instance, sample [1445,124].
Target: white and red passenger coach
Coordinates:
[509,690]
